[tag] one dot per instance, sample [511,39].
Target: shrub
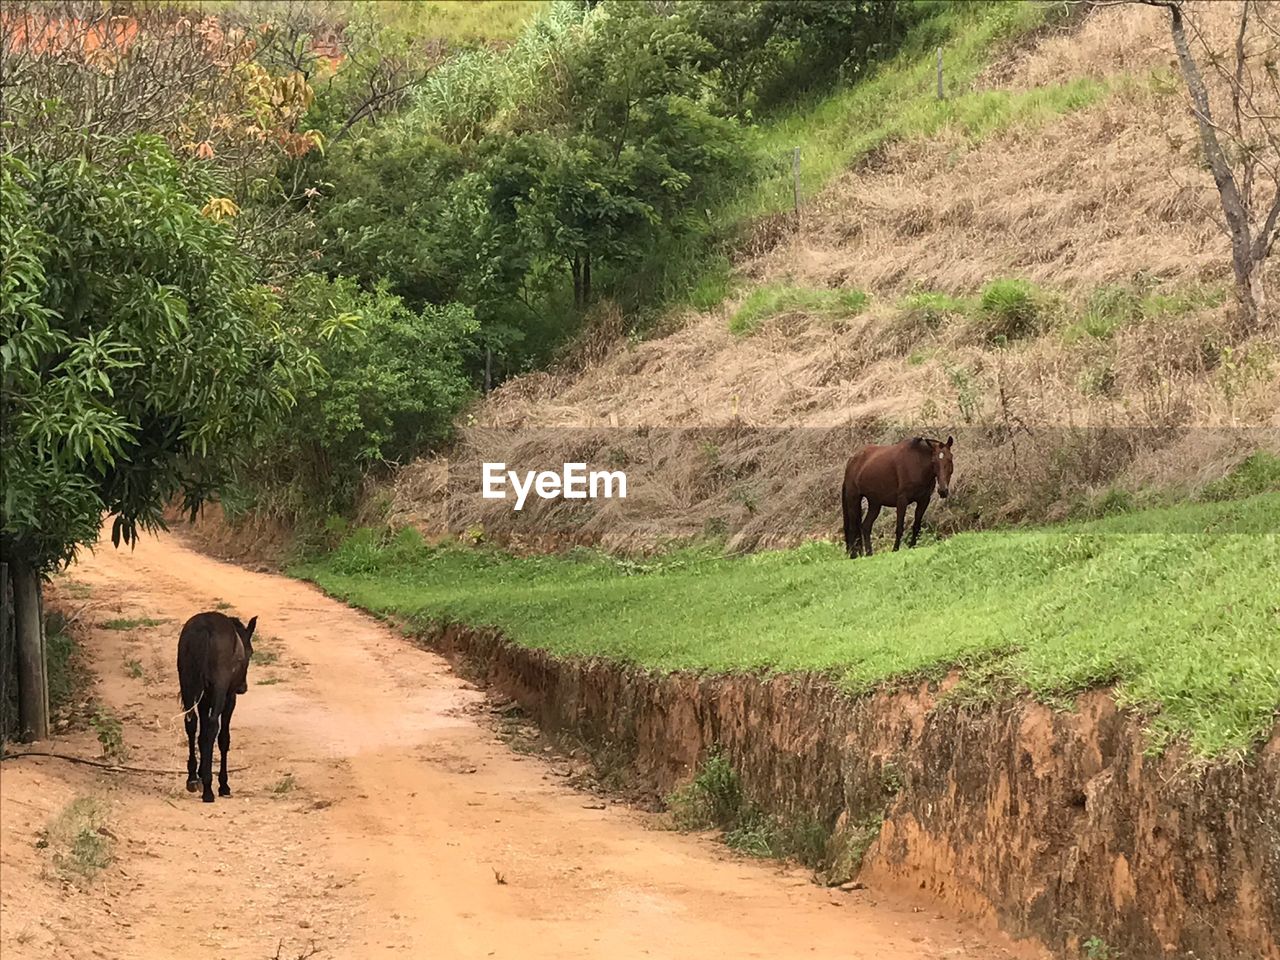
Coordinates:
[931,309]
[1260,473]
[775,300]
[1010,309]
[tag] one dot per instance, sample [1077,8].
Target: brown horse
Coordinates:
[892,476]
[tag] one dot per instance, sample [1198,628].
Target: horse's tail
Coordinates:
[852,523]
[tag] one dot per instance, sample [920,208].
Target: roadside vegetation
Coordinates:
[78,841]
[1051,611]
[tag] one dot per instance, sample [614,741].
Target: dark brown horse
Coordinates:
[892,476]
[214,651]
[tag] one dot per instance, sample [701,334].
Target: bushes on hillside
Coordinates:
[391,383]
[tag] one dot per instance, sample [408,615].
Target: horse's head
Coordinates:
[942,466]
[245,633]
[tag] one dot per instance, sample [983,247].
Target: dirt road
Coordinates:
[377,814]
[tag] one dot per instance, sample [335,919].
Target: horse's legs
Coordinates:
[191,722]
[224,744]
[873,511]
[852,508]
[897,530]
[921,506]
[209,718]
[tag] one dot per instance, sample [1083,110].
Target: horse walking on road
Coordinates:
[213,669]
[892,476]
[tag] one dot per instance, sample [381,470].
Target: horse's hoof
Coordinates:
[224,791]
[193,786]
[208,797]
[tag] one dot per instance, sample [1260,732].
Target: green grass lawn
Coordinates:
[1178,608]
[898,102]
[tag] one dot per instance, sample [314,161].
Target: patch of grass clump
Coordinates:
[1260,473]
[713,799]
[1073,603]
[128,623]
[775,300]
[1111,308]
[286,784]
[79,839]
[1010,309]
[1107,310]
[932,309]
[264,652]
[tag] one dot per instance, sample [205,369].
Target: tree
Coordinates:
[79,73]
[1242,151]
[139,356]
[392,385]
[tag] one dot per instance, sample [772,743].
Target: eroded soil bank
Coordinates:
[1054,825]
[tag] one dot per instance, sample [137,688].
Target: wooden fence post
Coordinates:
[33,688]
[941,96]
[795,176]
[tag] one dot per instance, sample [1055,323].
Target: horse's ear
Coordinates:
[950,440]
[248,631]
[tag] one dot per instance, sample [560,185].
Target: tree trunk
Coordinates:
[576,265]
[1233,205]
[586,279]
[33,689]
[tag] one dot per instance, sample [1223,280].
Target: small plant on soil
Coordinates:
[126,623]
[110,733]
[286,784]
[81,843]
[264,652]
[1095,948]
[133,667]
[713,798]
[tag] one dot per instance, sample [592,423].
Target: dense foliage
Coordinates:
[585,161]
[138,351]
[393,379]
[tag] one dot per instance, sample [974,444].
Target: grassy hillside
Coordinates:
[899,101]
[1177,608]
[1032,262]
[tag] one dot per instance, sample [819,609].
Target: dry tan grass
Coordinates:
[748,436]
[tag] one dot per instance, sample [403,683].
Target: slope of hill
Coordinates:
[1033,266]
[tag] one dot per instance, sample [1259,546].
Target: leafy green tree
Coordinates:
[764,52]
[392,385]
[389,212]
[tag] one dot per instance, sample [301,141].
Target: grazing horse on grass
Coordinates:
[892,476]
[213,668]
